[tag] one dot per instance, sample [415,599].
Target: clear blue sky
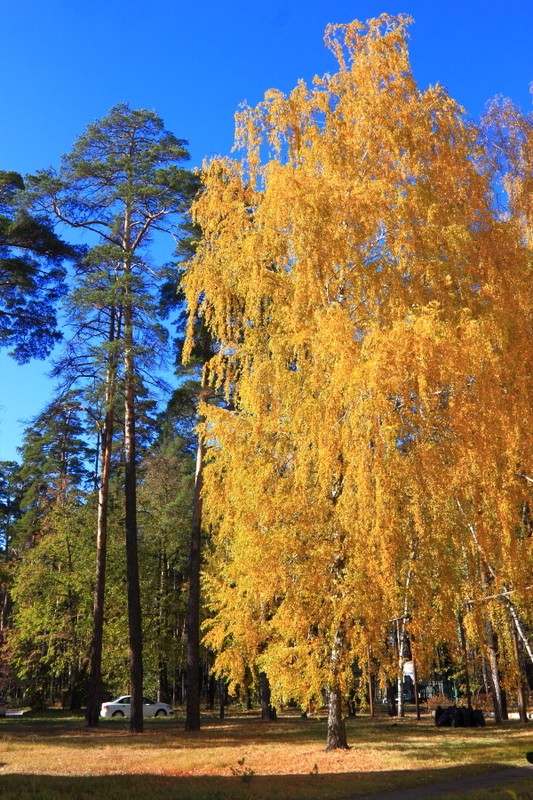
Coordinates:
[65,63]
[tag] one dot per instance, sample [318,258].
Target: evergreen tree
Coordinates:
[32,275]
[122,183]
[54,465]
[10,497]
[182,412]
[45,542]
[47,644]
[165,510]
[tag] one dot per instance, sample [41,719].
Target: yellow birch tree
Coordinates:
[370,308]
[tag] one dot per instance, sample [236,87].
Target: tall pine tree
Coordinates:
[122,183]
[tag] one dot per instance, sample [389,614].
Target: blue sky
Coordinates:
[65,63]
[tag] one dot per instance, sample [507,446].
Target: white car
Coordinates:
[121,708]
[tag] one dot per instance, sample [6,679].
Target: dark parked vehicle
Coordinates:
[458,717]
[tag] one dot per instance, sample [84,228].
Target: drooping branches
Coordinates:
[369,305]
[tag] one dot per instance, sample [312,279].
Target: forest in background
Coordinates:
[358,349]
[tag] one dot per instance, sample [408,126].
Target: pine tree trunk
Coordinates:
[132,560]
[75,694]
[222,698]
[211,693]
[92,712]
[5,613]
[163,688]
[391,699]
[192,718]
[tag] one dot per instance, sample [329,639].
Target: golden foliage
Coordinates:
[371,310]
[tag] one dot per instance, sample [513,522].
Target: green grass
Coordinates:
[51,755]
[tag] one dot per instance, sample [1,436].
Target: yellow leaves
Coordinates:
[371,311]
[382,38]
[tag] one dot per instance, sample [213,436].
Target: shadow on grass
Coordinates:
[379,733]
[466,751]
[353,786]
[169,732]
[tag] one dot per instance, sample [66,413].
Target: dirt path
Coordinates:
[470,783]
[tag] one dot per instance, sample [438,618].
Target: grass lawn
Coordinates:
[53,756]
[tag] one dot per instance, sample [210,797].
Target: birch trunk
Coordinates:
[520,689]
[336,736]
[336,733]
[464,653]
[492,653]
[401,632]
[493,673]
[401,661]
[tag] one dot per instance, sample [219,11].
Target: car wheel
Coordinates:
[118,714]
[161,713]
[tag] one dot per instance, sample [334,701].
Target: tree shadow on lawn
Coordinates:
[168,732]
[347,786]
[240,729]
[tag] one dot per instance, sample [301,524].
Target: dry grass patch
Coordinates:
[242,757]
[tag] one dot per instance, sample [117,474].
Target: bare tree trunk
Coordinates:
[370,683]
[415,686]
[520,689]
[493,673]
[92,712]
[222,688]
[192,718]
[4,612]
[132,559]
[268,712]
[464,653]
[487,576]
[392,708]
[401,661]
[519,629]
[492,648]
[163,687]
